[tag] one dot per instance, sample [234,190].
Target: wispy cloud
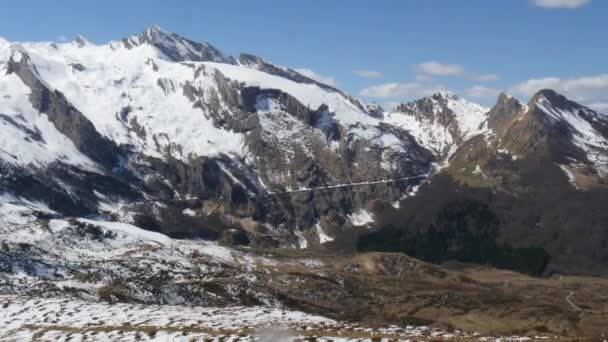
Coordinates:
[369,73]
[570,4]
[588,90]
[600,106]
[435,68]
[478,91]
[400,90]
[330,81]
[62,38]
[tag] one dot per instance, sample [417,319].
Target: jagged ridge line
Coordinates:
[346,185]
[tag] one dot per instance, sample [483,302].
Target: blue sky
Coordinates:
[408,48]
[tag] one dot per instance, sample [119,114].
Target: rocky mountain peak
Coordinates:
[547,100]
[81,41]
[505,109]
[552,127]
[445,95]
[177,48]
[155,30]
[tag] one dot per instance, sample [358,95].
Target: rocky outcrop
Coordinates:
[503,111]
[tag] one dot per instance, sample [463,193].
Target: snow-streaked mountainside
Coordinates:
[173,135]
[441,122]
[587,128]
[157,117]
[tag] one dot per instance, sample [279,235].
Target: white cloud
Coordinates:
[586,89]
[330,81]
[484,77]
[434,68]
[400,90]
[478,91]
[369,73]
[591,91]
[600,106]
[560,3]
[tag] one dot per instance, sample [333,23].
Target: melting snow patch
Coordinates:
[323,238]
[130,230]
[570,176]
[361,218]
[301,239]
[189,212]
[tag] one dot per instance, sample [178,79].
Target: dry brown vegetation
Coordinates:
[393,288]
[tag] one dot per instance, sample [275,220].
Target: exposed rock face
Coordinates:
[503,112]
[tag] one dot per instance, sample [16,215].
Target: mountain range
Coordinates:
[175,137]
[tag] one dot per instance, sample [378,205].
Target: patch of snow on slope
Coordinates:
[469,116]
[308,94]
[323,237]
[131,230]
[189,212]
[302,242]
[431,135]
[58,319]
[361,218]
[14,211]
[377,137]
[170,320]
[570,175]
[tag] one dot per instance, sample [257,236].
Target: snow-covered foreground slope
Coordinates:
[85,279]
[24,319]
[88,278]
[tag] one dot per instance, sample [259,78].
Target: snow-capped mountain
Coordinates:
[564,131]
[174,136]
[440,122]
[149,126]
